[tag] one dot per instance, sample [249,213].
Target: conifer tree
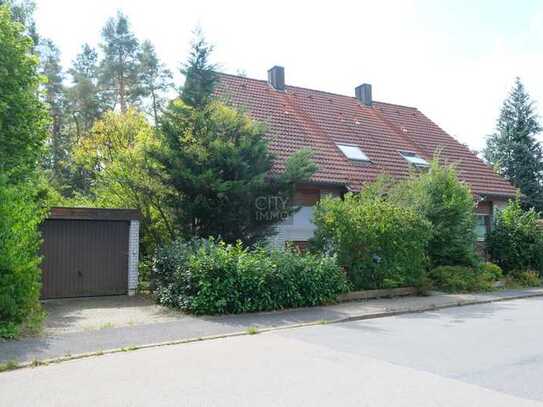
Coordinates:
[119,68]
[216,166]
[154,79]
[513,149]
[84,99]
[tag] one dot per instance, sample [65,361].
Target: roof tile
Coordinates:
[303,118]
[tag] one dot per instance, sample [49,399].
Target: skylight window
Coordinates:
[353,152]
[415,159]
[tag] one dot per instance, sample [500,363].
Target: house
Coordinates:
[354,139]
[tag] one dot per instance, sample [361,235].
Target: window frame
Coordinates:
[365,159]
[486,225]
[406,155]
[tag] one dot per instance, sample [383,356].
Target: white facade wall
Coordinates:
[297,227]
[133,256]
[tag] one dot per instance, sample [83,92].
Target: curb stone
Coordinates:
[361,317]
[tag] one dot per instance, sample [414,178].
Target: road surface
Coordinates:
[482,355]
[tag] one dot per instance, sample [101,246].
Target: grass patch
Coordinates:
[9,365]
[36,363]
[252,330]
[106,325]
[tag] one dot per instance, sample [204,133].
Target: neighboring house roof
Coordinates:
[299,118]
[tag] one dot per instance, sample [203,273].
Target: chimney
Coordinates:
[276,77]
[363,94]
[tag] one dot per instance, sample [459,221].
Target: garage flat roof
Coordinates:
[93,214]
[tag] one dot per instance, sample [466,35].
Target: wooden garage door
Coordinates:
[84,258]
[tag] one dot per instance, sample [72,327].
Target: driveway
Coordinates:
[89,314]
[479,355]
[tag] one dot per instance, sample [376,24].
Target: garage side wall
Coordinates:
[133,256]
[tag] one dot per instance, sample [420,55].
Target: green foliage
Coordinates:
[115,152]
[216,164]
[492,269]
[523,279]
[210,277]
[22,11]
[516,242]
[448,204]
[19,260]
[23,118]
[458,279]
[381,245]
[200,76]
[153,79]
[119,68]
[84,99]
[514,150]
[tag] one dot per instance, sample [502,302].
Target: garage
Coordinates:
[89,252]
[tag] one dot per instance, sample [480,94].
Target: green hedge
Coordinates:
[458,279]
[19,261]
[516,242]
[210,277]
[381,245]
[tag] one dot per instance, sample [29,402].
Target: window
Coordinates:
[353,152]
[415,159]
[481,226]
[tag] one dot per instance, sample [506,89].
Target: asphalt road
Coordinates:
[482,355]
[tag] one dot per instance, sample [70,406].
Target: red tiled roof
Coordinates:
[303,118]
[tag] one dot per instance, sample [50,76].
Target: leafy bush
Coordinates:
[462,279]
[379,244]
[524,279]
[209,277]
[516,243]
[492,269]
[19,260]
[447,203]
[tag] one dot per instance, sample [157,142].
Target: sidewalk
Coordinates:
[193,328]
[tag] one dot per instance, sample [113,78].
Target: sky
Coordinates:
[454,60]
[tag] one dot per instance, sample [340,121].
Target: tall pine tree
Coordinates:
[59,141]
[154,79]
[119,68]
[514,150]
[84,98]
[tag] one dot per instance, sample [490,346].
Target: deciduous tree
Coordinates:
[23,117]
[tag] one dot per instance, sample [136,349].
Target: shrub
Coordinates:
[524,279]
[461,279]
[447,203]
[379,244]
[19,260]
[209,277]
[516,243]
[493,269]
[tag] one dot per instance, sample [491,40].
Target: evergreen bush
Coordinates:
[381,245]
[206,276]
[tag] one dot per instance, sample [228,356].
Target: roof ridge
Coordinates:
[314,90]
